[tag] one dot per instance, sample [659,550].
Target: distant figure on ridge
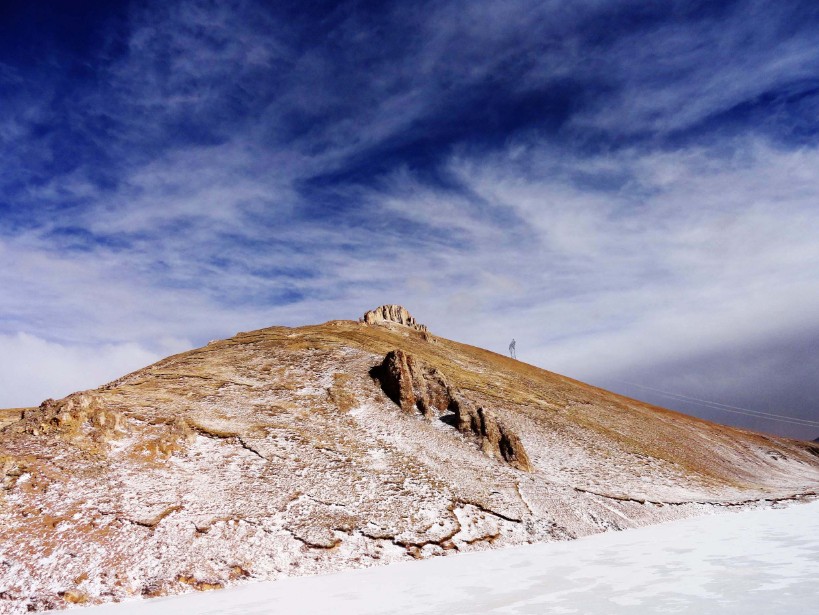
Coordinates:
[512,349]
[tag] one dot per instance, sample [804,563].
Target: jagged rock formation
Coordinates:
[392,314]
[80,416]
[275,453]
[496,440]
[415,386]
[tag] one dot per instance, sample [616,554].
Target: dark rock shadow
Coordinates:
[450,419]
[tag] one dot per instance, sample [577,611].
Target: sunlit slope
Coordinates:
[277,452]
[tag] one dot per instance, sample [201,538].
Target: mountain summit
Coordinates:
[284,452]
[387,314]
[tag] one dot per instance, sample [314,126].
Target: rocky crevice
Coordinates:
[420,388]
[807,495]
[154,521]
[449,540]
[217,434]
[313,539]
[488,511]
[149,523]
[248,447]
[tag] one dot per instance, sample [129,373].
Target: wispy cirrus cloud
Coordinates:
[627,189]
[696,252]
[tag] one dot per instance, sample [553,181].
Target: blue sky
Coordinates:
[629,189]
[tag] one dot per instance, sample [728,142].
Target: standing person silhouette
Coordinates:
[512,349]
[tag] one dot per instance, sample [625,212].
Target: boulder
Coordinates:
[496,439]
[413,385]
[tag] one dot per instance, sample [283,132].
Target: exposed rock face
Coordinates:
[413,385]
[496,440]
[78,416]
[392,313]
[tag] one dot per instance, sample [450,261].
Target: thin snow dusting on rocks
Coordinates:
[292,452]
[762,561]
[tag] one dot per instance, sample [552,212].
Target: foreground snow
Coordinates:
[761,561]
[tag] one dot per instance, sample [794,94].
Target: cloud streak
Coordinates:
[629,191]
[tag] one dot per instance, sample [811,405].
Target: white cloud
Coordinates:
[704,250]
[599,265]
[682,72]
[697,250]
[33,369]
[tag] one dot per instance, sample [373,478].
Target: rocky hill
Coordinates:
[285,452]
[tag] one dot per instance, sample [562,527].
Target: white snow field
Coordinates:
[758,561]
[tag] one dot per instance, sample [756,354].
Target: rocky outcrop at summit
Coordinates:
[416,386]
[392,314]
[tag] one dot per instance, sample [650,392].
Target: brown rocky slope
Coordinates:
[286,452]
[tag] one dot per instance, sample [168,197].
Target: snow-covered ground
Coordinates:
[760,561]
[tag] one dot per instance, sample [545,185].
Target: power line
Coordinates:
[728,408]
[770,416]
